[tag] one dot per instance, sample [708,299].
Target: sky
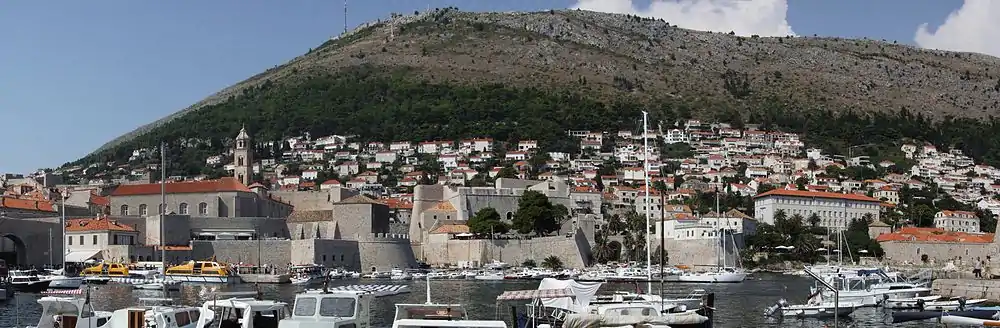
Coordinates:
[76,74]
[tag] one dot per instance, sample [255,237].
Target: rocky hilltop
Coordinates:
[604,58]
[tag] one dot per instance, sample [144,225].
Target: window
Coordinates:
[336,307]
[182,319]
[142,209]
[123,211]
[81,240]
[70,240]
[240,161]
[95,239]
[183,208]
[203,209]
[305,306]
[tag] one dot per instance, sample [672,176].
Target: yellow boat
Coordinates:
[202,271]
[106,270]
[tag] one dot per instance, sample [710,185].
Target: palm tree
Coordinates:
[552,262]
[780,215]
[814,220]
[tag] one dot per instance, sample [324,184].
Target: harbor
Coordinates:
[739,305]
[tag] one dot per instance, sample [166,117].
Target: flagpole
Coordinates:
[645,177]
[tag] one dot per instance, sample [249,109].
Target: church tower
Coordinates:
[243,158]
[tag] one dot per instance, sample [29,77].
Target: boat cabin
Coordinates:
[69,312]
[438,315]
[199,268]
[161,316]
[329,309]
[106,269]
[23,276]
[244,312]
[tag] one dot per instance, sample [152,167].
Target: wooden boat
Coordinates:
[202,271]
[952,304]
[908,303]
[901,316]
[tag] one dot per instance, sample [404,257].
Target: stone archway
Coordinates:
[13,250]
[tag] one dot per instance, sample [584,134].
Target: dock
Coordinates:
[968,288]
[254,278]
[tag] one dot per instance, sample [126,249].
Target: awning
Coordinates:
[81,256]
[206,234]
[531,294]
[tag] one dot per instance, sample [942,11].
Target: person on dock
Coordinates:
[978,269]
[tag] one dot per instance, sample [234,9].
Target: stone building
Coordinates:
[911,245]
[835,210]
[225,197]
[243,158]
[101,238]
[963,221]
[439,203]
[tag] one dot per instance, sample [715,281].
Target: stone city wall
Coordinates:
[905,252]
[28,241]
[272,252]
[573,251]
[968,288]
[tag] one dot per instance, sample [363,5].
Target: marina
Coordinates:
[739,305]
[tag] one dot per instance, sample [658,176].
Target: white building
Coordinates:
[962,221]
[834,210]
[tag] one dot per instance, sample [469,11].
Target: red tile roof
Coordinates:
[26,204]
[97,224]
[817,194]
[99,200]
[205,186]
[396,203]
[913,234]
[451,228]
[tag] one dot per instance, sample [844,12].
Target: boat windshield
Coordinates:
[333,307]
[430,312]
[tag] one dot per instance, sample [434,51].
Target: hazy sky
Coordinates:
[76,74]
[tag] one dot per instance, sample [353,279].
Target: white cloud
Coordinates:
[974,27]
[745,17]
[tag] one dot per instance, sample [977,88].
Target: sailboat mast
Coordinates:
[62,222]
[645,176]
[720,250]
[163,206]
[663,241]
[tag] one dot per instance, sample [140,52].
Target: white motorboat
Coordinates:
[952,304]
[432,315]
[246,312]
[58,280]
[812,309]
[158,285]
[399,274]
[27,281]
[490,275]
[329,308]
[306,274]
[437,275]
[70,312]
[161,315]
[908,303]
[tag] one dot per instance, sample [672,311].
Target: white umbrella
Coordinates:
[821,249]
[863,251]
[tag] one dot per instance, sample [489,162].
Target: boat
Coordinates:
[431,315]
[812,309]
[158,284]
[955,303]
[908,303]
[490,275]
[106,269]
[398,274]
[306,274]
[96,280]
[329,308]
[722,273]
[70,311]
[907,316]
[246,312]
[27,281]
[202,271]
[58,280]
[158,312]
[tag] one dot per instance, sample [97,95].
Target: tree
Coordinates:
[814,220]
[535,214]
[552,262]
[529,263]
[660,186]
[858,239]
[507,172]
[487,221]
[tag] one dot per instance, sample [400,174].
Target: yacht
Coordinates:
[202,271]
[306,274]
[70,312]
[490,275]
[246,312]
[27,281]
[815,307]
[720,275]
[156,312]
[399,274]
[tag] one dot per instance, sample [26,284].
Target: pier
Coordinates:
[968,288]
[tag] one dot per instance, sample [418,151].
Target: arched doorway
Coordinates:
[12,250]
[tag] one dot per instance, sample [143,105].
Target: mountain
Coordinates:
[452,74]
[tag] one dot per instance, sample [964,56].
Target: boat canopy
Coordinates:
[584,292]
[514,295]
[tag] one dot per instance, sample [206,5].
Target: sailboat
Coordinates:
[58,278]
[723,273]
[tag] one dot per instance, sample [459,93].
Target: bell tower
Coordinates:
[243,158]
